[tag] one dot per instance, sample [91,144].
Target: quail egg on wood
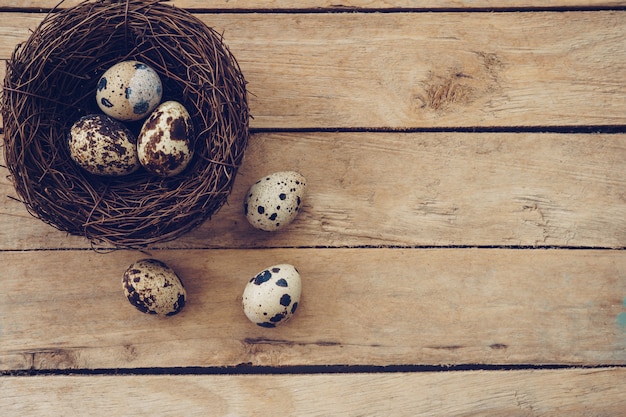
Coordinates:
[103,146]
[164,145]
[154,288]
[273,201]
[271,297]
[129,91]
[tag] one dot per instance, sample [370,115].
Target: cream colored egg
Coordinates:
[274,201]
[129,91]
[154,288]
[103,146]
[164,145]
[272,296]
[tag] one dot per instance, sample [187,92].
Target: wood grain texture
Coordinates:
[66,309]
[410,189]
[349,4]
[512,393]
[415,248]
[417,70]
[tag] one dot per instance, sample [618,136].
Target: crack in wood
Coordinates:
[445,347]
[498,346]
[265,341]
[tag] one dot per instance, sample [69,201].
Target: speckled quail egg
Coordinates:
[129,91]
[271,297]
[273,201]
[164,145]
[103,146]
[154,288]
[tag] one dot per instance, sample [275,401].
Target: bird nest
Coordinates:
[50,83]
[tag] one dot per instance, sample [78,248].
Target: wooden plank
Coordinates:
[413,70]
[571,393]
[377,307]
[410,189]
[349,4]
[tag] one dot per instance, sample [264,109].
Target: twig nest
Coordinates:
[52,81]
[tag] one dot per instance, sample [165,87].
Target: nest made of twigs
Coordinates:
[51,82]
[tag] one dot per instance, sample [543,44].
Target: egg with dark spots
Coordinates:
[165,143]
[152,287]
[272,296]
[129,91]
[103,146]
[274,201]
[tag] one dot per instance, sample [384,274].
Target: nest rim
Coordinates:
[45,92]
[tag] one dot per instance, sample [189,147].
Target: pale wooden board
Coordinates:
[411,70]
[571,393]
[408,189]
[66,309]
[350,4]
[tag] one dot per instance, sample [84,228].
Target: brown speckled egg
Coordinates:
[103,146]
[129,91]
[154,288]
[272,296]
[164,145]
[273,201]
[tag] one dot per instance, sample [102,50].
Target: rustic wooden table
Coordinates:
[461,243]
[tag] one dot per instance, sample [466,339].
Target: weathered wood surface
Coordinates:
[291,5]
[66,310]
[410,189]
[514,394]
[416,248]
[419,70]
